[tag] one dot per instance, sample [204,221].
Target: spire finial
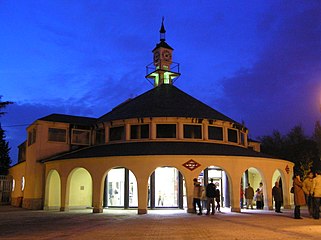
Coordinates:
[162,31]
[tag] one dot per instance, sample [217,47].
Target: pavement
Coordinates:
[17,223]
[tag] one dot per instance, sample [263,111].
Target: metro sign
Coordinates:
[191,165]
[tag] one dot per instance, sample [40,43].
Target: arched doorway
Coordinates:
[120,189]
[220,179]
[166,189]
[252,179]
[80,189]
[277,177]
[53,191]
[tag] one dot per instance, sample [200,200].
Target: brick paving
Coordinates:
[17,223]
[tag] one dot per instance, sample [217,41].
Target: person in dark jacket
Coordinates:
[277,196]
[210,194]
[218,200]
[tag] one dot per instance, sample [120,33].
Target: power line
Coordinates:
[18,125]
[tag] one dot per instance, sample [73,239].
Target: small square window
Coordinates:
[57,135]
[166,130]
[139,131]
[193,131]
[215,133]
[232,135]
[117,133]
[80,137]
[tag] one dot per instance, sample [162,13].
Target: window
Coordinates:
[215,133]
[166,130]
[242,138]
[13,184]
[23,182]
[32,136]
[22,152]
[116,133]
[232,135]
[139,131]
[100,136]
[57,135]
[193,131]
[80,137]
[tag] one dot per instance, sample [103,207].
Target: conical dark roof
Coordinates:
[164,101]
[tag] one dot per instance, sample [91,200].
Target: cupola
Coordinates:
[162,70]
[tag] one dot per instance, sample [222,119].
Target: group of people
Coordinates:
[307,192]
[208,196]
[249,195]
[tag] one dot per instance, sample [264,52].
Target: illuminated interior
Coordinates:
[116,193]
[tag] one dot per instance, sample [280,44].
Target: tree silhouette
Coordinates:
[295,147]
[5,160]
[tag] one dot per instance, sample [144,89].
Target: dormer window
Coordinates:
[32,136]
[80,137]
[139,131]
[232,135]
[100,136]
[242,138]
[193,131]
[57,135]
[116,133]
[215,133]
[166,130]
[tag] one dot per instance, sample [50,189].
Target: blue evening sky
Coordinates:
[255,61]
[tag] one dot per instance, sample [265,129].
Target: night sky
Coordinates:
[254,61]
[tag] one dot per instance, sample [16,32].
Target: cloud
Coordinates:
[93,101]
[276,91]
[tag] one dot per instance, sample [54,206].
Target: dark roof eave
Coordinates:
[159,148]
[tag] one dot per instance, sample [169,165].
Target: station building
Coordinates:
[143,154]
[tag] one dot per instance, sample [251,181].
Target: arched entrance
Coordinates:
[220,179]
[277,177]
[252,178]
[80,189]
[120,189]
[166,189]
[53,191]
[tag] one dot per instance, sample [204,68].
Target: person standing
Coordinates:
[203,198]
[261,190]
[316,193]
[277,196]
[210,194]
[197,196]
[249,194]
[258,198]
[307,188]
[218,200]
[241,196]
[299,198]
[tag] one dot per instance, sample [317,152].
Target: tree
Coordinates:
[3,105]
[273,145]
[317,136]
[295,147]
[5,160]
